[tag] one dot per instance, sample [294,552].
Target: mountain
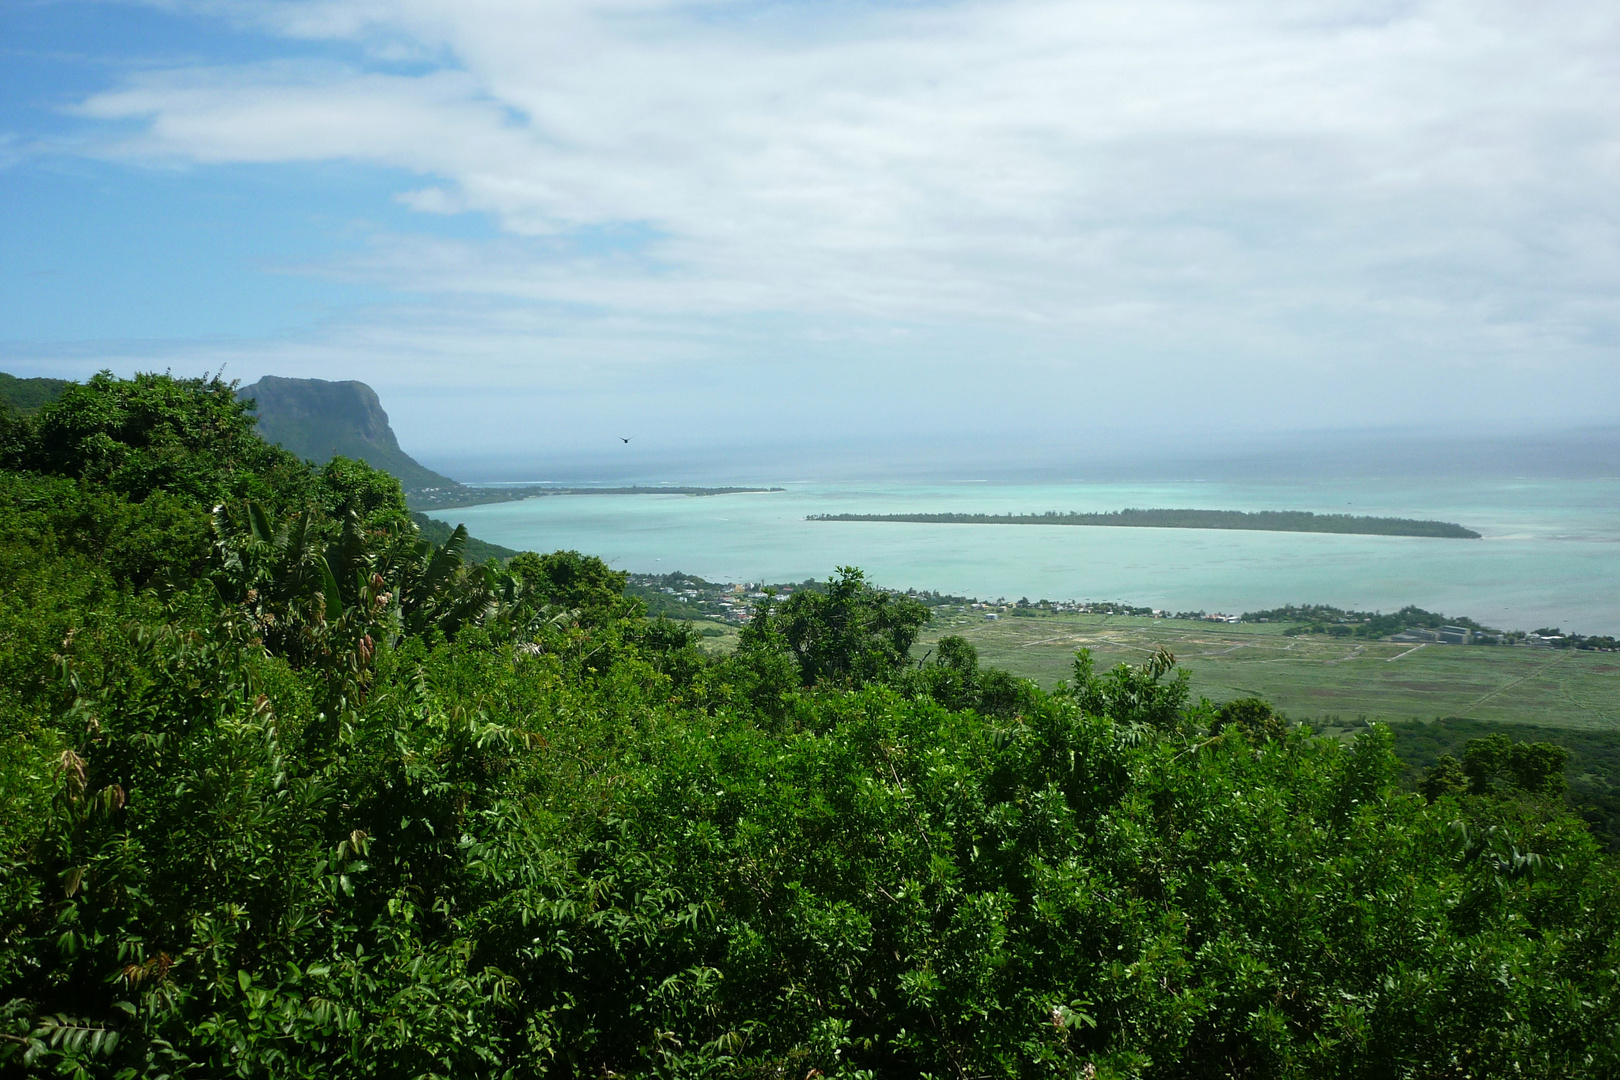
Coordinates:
[319,420]
[30,395]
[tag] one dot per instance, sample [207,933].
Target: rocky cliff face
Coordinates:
[320,420]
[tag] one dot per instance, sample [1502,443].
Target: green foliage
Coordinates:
[582,583]
[1496,765]
[1444,777]
[846,634]
[1591,771]
[157,539]
[957,654]
[28,396]
[956,680]
[190,438]
[1133,695]
[1255,717]
[477,551]
[1371,625]
[338,804]
[348,486]
[1497,762]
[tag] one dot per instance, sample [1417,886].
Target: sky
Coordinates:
[535,227]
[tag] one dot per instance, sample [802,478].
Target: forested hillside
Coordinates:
[288,790]
[473,551]
[28,396]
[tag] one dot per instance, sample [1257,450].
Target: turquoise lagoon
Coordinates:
[1550,555]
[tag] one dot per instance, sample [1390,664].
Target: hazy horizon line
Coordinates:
[1585,452]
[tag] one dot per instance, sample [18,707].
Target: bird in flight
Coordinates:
[625,440]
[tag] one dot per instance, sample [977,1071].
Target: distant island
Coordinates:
[1257,521]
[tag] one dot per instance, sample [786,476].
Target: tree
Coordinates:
[1497,764]
[187,437]
[1444,777]
[848,634]
[1254,716]
[574,582]
[1132,695]
[350,486]
[957,654]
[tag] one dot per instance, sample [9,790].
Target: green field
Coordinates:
[1311,677]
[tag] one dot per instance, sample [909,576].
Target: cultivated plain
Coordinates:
[1314,677]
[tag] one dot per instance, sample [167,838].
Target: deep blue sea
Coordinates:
[1550,554]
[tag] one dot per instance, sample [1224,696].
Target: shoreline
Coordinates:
[686,596]
[475,495]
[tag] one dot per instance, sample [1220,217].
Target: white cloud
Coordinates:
[1279,188]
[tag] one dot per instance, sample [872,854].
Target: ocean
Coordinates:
[1549,557]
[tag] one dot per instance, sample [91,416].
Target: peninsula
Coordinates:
[474,495]
[1257,521]
[319,420]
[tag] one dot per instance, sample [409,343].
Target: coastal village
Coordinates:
[685,596]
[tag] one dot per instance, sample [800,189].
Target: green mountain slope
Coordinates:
[476,551]
[319,420]
[27,396]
